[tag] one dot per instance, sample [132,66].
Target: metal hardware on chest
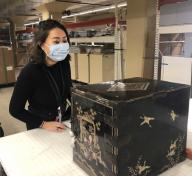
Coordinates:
[114,150]
[115,132]
[114,169]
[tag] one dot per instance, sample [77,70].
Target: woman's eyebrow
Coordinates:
[59,37]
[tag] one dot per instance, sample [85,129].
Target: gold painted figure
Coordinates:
[172,148]
[173,115]
[142,168]
[146,120]
[88,138]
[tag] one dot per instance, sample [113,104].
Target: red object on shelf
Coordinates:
[189,153]
[27,30]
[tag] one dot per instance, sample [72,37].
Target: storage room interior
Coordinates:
[109,40]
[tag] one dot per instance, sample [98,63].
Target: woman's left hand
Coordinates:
[53,126]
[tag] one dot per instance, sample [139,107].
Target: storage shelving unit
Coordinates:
[102,39]
[24,39]
[5,39]
[91,65]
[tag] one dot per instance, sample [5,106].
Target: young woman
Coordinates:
[45,82]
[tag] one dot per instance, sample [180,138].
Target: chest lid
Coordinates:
[128,89]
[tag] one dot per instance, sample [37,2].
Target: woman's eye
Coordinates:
[65,41]
[56,42]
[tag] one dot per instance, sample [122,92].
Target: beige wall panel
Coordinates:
[124,52]
[108,67]
[141,25]
[96,68]
[150,39]
[148,68]
[83,68]
[101,68]
[73,66]
[135,47]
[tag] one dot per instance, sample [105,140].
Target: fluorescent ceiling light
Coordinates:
[27,24]
[95,10]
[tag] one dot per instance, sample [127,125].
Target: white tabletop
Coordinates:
[42,153]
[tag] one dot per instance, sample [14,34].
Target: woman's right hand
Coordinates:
[53,126]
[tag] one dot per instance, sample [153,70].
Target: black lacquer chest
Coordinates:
[130,127]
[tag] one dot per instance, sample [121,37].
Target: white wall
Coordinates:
[179,14]
[176,14]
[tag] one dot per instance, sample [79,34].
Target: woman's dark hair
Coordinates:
[44,27]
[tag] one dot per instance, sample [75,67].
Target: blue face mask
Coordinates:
[58,52]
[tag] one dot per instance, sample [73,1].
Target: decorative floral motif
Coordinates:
[172,148]
[175,152]
[173,115]
[98,126]
[140,169]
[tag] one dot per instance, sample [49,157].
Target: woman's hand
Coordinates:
[53,126]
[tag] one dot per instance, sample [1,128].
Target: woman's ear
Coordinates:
[44,48]
[39,44]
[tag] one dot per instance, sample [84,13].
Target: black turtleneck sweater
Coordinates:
[34,86]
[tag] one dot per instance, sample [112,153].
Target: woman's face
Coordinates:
[55,36]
